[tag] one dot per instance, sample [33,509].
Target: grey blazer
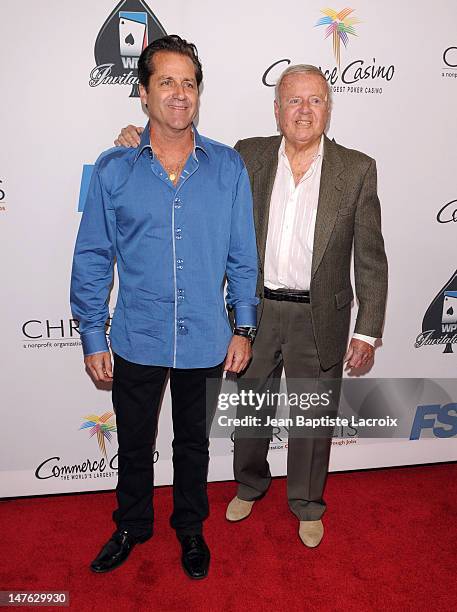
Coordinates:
[348,217]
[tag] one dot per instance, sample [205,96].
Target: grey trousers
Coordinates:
[285,339]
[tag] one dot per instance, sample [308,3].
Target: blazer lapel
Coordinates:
[330,193]
[263,178]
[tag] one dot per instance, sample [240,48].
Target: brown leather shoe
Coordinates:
[238,509]
[311,533]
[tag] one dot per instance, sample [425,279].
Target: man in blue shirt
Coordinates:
[176,214]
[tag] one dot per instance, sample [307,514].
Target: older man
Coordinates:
[177,216]
[314,201]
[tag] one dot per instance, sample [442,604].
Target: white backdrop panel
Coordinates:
[53,123]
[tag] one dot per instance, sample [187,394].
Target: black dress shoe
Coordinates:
[195,556]
[115,551]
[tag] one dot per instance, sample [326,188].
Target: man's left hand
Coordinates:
[359,354]
[239,354]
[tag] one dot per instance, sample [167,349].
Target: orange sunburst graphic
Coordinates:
[339,25]
[101,427]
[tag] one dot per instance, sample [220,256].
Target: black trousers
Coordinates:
[137,394]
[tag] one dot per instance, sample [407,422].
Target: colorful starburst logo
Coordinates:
[102,427]
[339,26]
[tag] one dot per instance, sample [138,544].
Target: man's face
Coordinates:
[303,108]
[172,96]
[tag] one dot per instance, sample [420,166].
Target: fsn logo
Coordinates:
[441,420]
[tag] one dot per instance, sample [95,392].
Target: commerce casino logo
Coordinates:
[359,76]
[439,326]
[130,28]
[101,426]
[338,26]
[448,213]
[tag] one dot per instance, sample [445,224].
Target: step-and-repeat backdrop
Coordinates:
[69,83]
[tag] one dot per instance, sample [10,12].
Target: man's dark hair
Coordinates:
[174,44]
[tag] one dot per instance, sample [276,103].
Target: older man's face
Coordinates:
[303,108]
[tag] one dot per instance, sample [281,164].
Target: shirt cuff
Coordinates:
[245,316]
[368,339]
[94,342]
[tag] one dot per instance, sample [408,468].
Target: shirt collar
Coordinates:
[145,143]
[282,149]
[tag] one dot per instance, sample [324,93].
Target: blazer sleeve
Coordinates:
[370,261]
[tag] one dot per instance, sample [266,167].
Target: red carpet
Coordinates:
[390,544]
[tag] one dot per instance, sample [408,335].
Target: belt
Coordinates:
[286,295]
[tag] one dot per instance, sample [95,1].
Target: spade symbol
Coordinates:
[450,311]
[106,48]
[433,315]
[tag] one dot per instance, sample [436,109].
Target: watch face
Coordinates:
[251,333]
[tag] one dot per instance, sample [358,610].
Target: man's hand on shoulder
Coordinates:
[130,136]
[359,354]
[99,366]
[239,354]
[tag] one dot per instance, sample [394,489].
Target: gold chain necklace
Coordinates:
[174,170]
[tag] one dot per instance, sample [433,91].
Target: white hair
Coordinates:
[303,69]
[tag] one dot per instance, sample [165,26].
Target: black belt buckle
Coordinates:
[286,296]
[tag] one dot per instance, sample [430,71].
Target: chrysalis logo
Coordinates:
[339,26]
[102,427]
[127,31]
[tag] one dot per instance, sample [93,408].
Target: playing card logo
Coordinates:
[127,31]
[439,325]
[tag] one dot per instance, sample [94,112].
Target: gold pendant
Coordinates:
[172,176]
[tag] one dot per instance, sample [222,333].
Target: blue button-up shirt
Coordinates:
[174,247]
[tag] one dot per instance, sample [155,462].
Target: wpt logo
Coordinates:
[439,325]
[440,420]
[127,31]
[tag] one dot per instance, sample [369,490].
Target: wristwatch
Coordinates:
[245,332]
